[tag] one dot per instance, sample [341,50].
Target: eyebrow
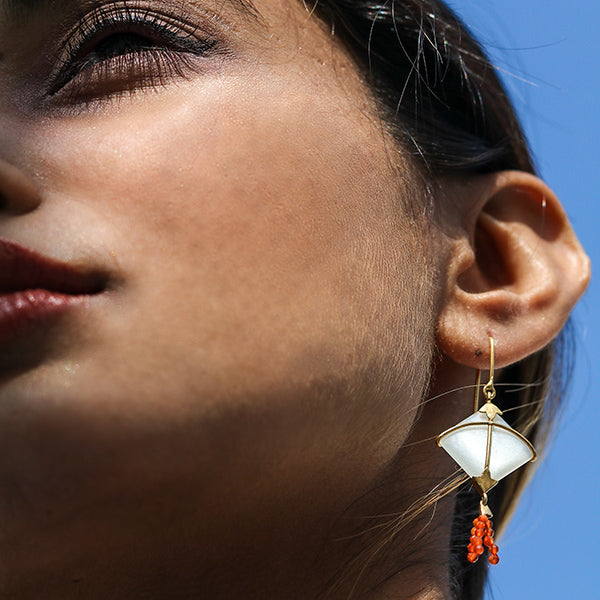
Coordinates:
[18,10]
[21,10]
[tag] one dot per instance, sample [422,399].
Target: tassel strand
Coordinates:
[482,534]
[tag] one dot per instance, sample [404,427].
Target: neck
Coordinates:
[301,555]
[315,541]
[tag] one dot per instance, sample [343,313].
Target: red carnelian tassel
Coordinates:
[482,534]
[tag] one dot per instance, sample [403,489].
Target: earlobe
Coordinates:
[514,273]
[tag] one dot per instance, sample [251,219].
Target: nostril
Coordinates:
[18,193]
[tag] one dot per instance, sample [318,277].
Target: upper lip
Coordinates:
[23,269]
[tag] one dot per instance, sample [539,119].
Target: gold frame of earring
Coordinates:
[484,483]
[484,467]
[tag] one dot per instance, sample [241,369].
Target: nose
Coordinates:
[18,193]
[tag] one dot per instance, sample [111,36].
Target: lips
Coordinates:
[34,288]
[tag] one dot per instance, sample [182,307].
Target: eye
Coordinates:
[119,44]
[116,51]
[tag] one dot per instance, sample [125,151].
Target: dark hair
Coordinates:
[442,100]
[435,84]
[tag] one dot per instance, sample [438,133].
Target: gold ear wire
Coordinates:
[476,395]
[489,391]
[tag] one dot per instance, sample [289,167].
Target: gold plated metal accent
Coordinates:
[484,509]
[476,394]
[488,445]
[491,410]
[489,391]
[494,424]
[484,483]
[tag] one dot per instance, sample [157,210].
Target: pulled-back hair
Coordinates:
[445,105]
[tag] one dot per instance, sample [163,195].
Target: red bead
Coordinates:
[472,557]
[475,539]
[494,549]
[493,558]
[488,540]
[478,549]
[473,531]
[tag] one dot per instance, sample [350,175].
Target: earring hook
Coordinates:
[489,391]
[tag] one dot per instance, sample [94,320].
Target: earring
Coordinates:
[487,449]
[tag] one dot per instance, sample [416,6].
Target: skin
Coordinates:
[220,381]
[205,426]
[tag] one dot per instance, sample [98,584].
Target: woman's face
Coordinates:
[222,173]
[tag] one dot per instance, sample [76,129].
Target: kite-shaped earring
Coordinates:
[487,449]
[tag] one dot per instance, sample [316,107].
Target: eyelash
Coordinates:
[162,50]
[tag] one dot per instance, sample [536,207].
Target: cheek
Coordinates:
[242,227]
[257,237]
[269,303]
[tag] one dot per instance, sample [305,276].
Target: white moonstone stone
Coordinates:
[467,446]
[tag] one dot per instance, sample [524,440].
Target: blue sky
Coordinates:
[547,52]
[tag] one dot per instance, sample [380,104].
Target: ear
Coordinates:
[515,271]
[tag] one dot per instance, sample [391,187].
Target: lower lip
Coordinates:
[20,311]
